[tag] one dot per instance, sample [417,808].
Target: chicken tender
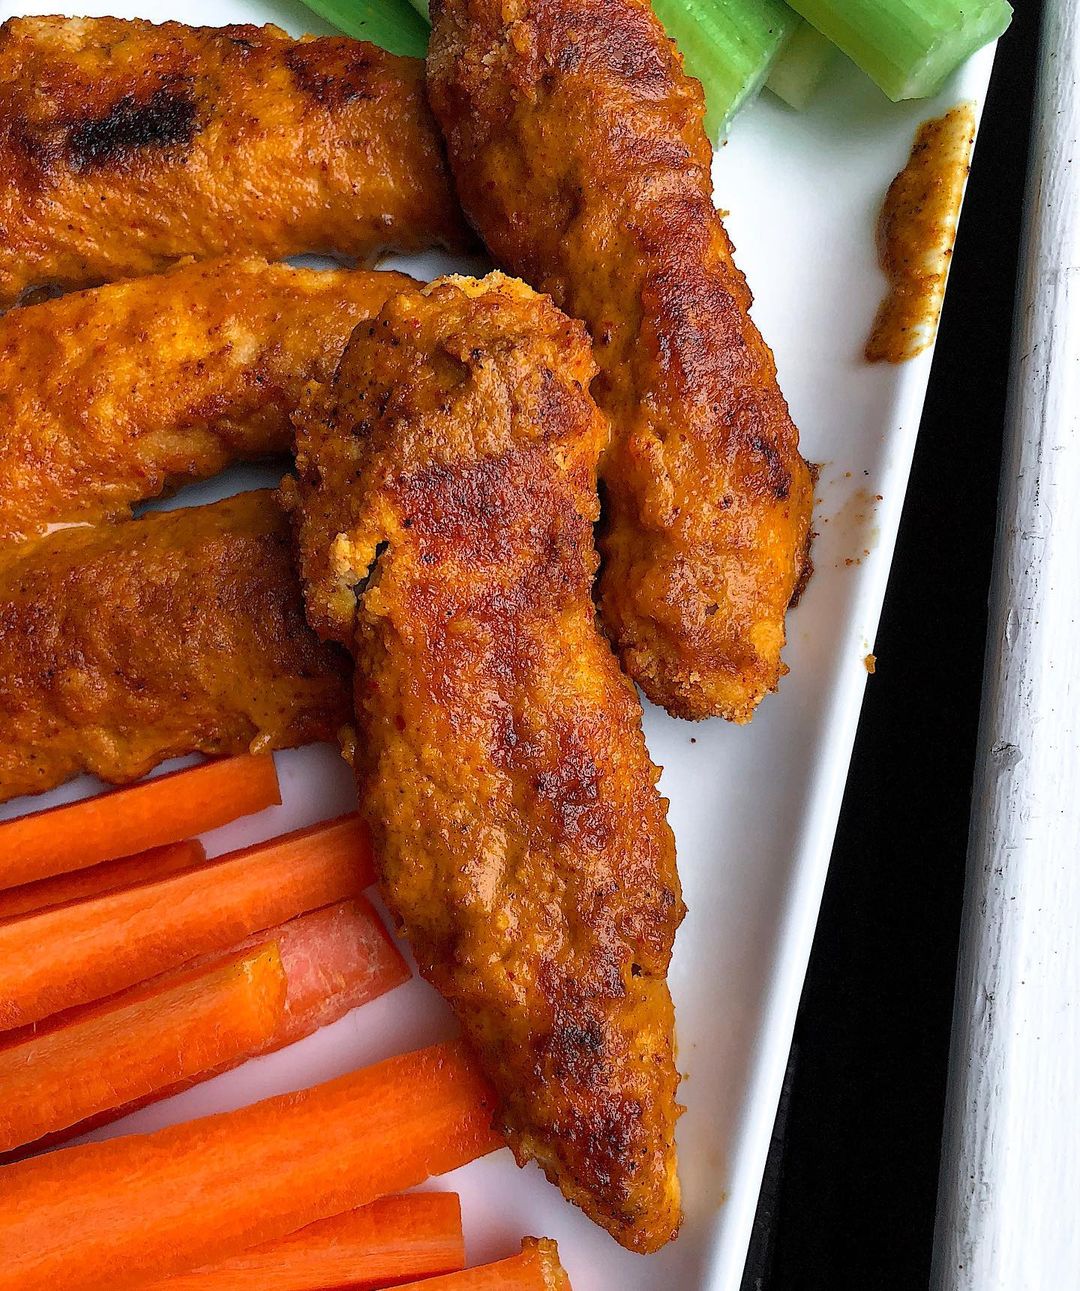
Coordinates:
[446,499]
[577,144]
[181,632]
[113,395]
[125,146]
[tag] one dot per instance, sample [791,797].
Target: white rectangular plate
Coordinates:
[754,809]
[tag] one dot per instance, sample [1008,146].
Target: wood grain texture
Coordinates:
[1011,1164]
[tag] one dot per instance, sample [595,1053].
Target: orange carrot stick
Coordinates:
[90,1066]
[412,1236]
[335,960]
[163,810]
[128,1210]
[209,1020]
[537,1268]
[110,876]
[61,958]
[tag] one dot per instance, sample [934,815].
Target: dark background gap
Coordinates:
[849,1194]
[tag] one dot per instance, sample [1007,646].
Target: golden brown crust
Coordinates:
[577,144]
[447,496]
[125,146]
[178,633]
[112,395]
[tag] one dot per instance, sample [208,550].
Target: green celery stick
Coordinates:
[421,7]
[801,66]
[389,23]
[908,47]
[729,45]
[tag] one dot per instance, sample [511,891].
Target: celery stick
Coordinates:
[421,7]
[908,47]
[389,23]
[801,66]
[729,45]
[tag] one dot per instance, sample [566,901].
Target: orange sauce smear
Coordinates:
[917,233]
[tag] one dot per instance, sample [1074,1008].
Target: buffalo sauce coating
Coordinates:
[126,145]
[577,144]
[181,632]
[446,500]
[112,395]
[917,233]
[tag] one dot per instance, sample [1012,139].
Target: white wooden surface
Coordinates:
[1009,1202]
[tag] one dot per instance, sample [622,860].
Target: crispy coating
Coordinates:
[178,633]
[113,395]
[577,144]
[447,495]
[125,146]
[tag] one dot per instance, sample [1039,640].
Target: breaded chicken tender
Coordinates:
[577,145]
[181,632]
[113,395]
[446,497]
[125,146]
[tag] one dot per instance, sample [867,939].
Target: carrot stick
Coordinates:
[61,958]
[209,1020]
[84,1068]
[412,1236]
[163,810]
[125,1211]
[537,1268]
[110,876]
[335,960]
